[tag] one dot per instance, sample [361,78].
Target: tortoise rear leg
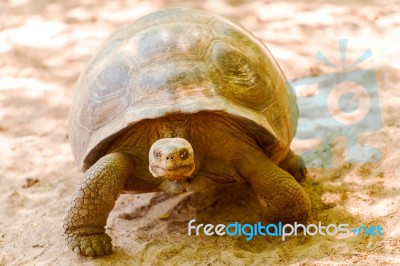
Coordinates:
[294,165]
[88,211]
[281,195]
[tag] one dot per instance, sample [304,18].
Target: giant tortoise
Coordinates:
[181,100]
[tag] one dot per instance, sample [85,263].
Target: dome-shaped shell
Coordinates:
[179,60]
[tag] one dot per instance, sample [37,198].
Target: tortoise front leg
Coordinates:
[278,191]
[294,165]
[86,216]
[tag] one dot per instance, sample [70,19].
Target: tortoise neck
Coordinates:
[174,126]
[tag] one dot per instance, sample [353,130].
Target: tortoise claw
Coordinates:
[90,245]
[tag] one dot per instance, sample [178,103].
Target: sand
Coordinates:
[45,44]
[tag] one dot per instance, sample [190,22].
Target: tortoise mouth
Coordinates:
[173,173]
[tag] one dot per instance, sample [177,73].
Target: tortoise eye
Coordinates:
[183,154]
[157,154]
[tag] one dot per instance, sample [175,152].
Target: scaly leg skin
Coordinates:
[281,195]
[88,211]
[294,165]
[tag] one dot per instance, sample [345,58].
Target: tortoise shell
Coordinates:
[179,60]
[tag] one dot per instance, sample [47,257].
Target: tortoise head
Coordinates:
[172,159]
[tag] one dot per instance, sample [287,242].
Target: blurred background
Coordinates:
[45,44]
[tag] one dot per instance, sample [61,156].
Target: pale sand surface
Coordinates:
[45,44]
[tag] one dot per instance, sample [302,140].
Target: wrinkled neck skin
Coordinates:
[173,126]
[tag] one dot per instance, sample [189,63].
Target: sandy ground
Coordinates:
[43,47]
